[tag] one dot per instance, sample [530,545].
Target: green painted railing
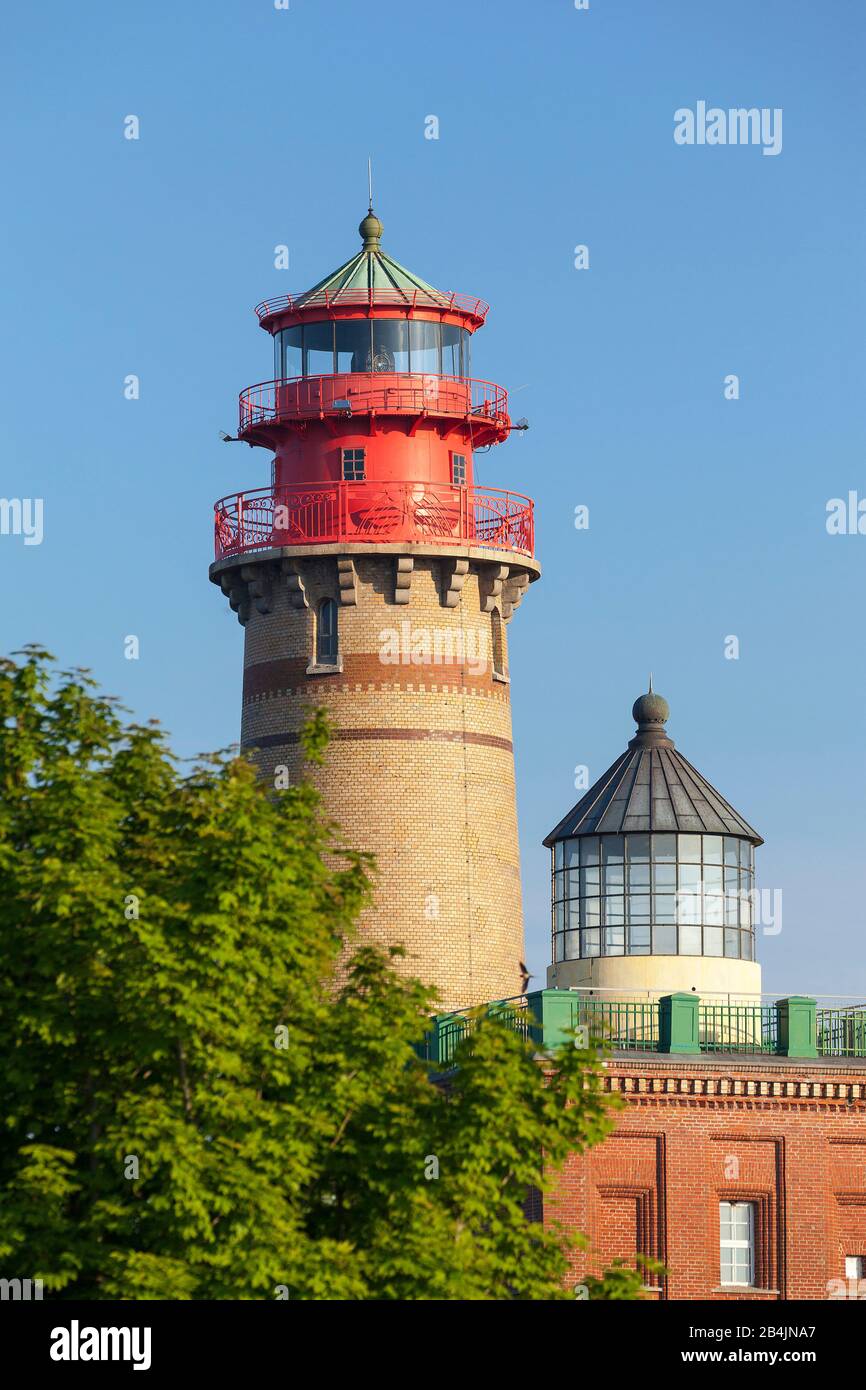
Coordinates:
[738,1028]
[841,1032]
[676,1023]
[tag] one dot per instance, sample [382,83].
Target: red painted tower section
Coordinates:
[375,577]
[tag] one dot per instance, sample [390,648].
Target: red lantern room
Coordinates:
[373,416]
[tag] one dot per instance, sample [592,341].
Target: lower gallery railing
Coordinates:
[412,511]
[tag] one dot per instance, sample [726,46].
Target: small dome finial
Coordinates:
[651,711]
[370,231]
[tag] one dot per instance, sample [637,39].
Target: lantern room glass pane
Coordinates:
[452,350]
[712,941]
[572,945]
[590,943]
[638,848]
[614,849]
[690,849]
[664,908]
[664,941]
[639,939]
[572,853]
[614,911]
[639,908]
[690,877]
[425,346]
[665,849]
[732,943]
[688,907]
[589,850]
[354,345]
[614,877]
[558,854]
[318,349]
[690,940]
[665,875]
[614,941]
[638,876]
[732,850]
[291,358]
[390,345]
[590,912]
[712,849]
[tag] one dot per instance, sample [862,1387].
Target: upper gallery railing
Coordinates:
[344,394]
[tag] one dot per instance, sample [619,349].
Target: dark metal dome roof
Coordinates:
[652,787]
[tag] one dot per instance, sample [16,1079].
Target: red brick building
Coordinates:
[781,1140]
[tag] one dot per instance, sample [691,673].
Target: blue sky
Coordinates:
[707,516]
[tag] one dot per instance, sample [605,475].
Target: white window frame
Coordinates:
[463,467]
[731,1244]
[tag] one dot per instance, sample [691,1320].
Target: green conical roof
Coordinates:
[372,269]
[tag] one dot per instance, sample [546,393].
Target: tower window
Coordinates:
[737,1242]
[496,640]
[458,470]
[326,633]
[354,465]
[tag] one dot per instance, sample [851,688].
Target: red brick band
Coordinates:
[363,668]
[408,735]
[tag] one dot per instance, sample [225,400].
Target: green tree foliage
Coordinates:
[197,1102]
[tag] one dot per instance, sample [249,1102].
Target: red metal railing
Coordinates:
[386,393]
[324,513]
[370,298]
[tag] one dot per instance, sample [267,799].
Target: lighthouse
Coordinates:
[374,576]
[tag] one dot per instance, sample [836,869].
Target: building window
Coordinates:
[855,1266]
[497,643]
[354,465]
[458,470]
[737,1242]
[326,633]
[661,894]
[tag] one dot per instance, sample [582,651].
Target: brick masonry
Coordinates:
[421,769]
[788,1136]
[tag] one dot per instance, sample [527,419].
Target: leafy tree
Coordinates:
[209,1090]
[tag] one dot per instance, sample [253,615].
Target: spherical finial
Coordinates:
[651,710]
[370,231]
